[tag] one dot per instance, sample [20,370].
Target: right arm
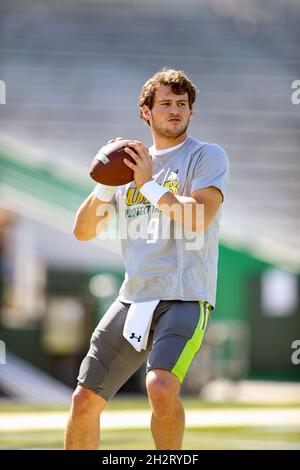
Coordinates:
[87,222]
[94,214]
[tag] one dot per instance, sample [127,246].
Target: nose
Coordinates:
[174,110]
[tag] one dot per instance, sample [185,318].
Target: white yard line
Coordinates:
[25,421]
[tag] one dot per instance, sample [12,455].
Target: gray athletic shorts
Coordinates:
[175,336]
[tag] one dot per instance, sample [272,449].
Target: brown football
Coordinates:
[108,166]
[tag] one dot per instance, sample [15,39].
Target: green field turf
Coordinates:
[208,438]
[197,439]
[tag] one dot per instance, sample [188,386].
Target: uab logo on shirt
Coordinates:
[134,197]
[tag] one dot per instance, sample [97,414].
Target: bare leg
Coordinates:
[167,423]
[83,428]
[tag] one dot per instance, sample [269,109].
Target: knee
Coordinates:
[163,391]
[85,401]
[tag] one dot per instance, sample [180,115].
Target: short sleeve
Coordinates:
[211,169]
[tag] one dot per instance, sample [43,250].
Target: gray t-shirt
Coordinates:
[158,264]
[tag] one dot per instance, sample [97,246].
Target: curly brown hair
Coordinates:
[176,79]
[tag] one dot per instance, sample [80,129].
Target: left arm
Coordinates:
[195,212]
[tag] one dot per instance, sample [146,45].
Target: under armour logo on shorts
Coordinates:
[136,337]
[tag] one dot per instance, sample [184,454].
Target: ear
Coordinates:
[146,112]
[192,114]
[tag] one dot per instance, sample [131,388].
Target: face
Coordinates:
[170,114]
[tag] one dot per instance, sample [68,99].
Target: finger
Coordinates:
[129,164]
[140,148]
[116,138]
[130,152]
[136,144]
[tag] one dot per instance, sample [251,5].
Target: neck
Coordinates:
[163,142]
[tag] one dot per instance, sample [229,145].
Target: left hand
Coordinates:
[142,167]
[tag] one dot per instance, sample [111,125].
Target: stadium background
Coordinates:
[73,70]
